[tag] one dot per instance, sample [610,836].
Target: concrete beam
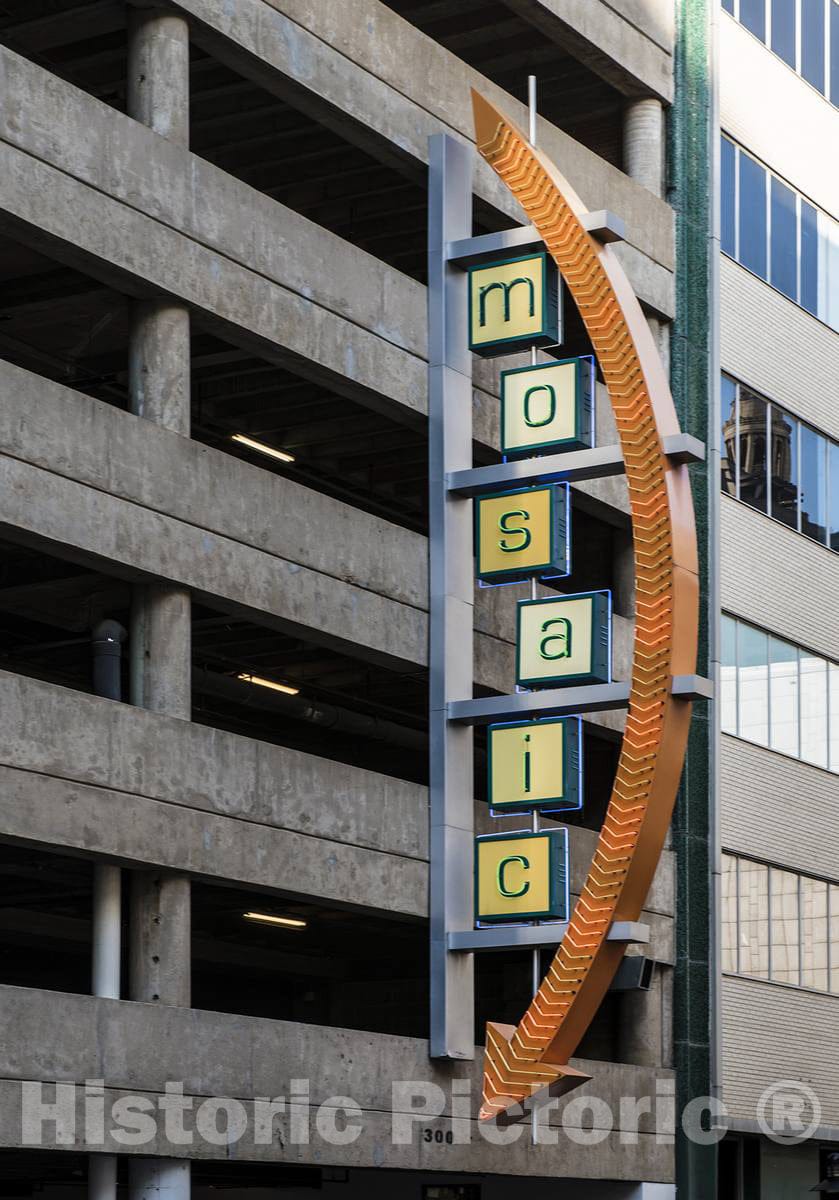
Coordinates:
[123,784]
[609,43]
[53,1036]
[376,78]
[119,493]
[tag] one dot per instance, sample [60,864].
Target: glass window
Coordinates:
[728,196]
[753,683]
[729,913]
[783,693]
[752,225]
[728,675]
[809,292]
[783,29]
[753,16]
[828,304]
[833,729]
[784,464]
[753,887]
[785,932]
[833,455]
[728,5]
[784,239]
[813,684]
[813,933]
[813,484]
[834,52]
[728,451]
[834,938]
[752,416]
[812,42]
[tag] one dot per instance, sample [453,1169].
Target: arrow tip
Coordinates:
[510,1079]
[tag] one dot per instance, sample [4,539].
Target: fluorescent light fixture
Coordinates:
[285,688]
[270,919]
[282,455]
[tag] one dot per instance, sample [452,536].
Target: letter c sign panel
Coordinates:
[521,876]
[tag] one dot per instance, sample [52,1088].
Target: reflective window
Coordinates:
[833,715]
[779,925]
[803,33]
[785,928]
[784,247]
[728,441]
[753,16]
[784,13]
[833,506]
[728,197]
[812,42]
[833,938]
[809,258]
[814,948]
[768,458]
[753,914]
[751,427]
[776,694]
[729,913]
[784,463]
[783,690]
[728,675]
[753,683]
[813,484]
[813,685]
[802,260]
[752,223]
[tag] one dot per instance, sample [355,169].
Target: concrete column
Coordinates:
[623,568]
[161,651]
[643,144]
[160,938]
[641,1039]
[101,1177]
[158,363]
[158,1179]
[158,72]
[107,930]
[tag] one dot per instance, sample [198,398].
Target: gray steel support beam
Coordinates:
[451,589]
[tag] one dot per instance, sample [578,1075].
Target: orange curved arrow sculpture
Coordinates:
[522,1060]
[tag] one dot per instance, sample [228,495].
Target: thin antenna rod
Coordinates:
[531,106]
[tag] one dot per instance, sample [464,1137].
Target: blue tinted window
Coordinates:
[728,449]
[809,258]
[753,16]
[813,484]
[783,29]
[784,239]
[834,496]
[784,467]
[834,52]
[728,5]
[812,42]
[728,167]
[752,216]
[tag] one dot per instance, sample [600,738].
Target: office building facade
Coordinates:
[214,720]
[779,91]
